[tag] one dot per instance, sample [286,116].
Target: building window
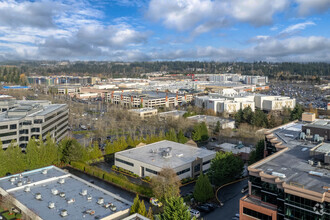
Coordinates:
[27,122]
[3,127]
[256,214]
[8,141]
[8,134]
[125,162]
[24,131]
[151,171]
[183,171]
[35,130]
[197,168]
[13,126]
[206,162]
[38,121]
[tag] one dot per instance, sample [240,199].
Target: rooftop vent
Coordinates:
[44,172]
[19,183]
[61,181]
[27,189]
[51,205]
[12,179]
[315,173]
[282,175]
[83,192]
[54,191]
[38,196]
[62,194]
[64,213]
[310,162]
[113,208]
[100,200]
[89,197]
[166,152]
[72,200]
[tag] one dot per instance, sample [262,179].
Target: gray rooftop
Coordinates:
[72,187]
[293,163]
[151,154]
[209,119]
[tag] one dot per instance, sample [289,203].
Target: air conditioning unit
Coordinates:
[51,205]
[38,196]
[61,181]
[64,213]
[44,172]
[100,200]
[89,197]
[27,189]
[83,192]
[54,191]
[62,194]
[19,183]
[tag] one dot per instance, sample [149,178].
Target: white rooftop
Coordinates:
[181,154]
[48,182]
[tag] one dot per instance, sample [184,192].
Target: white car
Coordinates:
[194,213]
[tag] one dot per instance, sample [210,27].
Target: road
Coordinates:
[230,196]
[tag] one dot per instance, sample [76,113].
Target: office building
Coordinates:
[293,181]
[148,99]
[319,129]
[144,112]
[175,114]
[22,120]
[211,121]
[51,193]
[149,160]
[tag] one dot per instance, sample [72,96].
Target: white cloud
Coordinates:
[297,27]
[306,7]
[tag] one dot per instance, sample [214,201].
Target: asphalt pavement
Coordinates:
[230,196]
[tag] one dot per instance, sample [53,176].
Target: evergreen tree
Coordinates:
[130,141]
[95,151]
[150,214]
[196,133]
[136,205]
[239,118]
[217,127]
[181,138]
[142,209]
[204,132]
[175,209]
[203,190]
[296,112]
[171,135]
[225,167]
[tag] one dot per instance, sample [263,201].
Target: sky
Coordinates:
[166,30]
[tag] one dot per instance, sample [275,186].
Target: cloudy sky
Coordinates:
[148,30]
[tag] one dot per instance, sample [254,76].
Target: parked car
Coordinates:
[194,213]
[204,208]
[212,206]
[155,202]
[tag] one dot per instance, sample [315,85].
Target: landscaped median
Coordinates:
[118,180]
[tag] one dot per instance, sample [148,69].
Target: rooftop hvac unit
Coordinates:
[315,173]
[64,213]
[113,208]
[27,189]
[107,205]
[61,181]
[19,183]
[83,192]
[302,136]
[100,200]
[308,132]
[51,205]
[71,200]
[62,194]
[316,138]
[310,162]
[319,164]
[282,175]
[44,172]
[89,197]
[38,196]
[54,191]
[12,179]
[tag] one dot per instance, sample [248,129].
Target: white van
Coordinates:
[194,213]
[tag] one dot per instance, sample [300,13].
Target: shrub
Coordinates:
[78,165]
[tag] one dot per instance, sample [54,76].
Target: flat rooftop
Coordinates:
[172,113]
[142,109]
[47,183]
[209,119]
[149,94]
[151,154]
[293,162]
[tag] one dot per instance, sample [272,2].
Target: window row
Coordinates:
[125,162]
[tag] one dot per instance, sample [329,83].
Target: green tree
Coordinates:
[130,141]
[150,215]
[181,138]
[95,151]
[239,117]
[136,205]
[258,153]
[142,209]
[296,112]
[260,119]
[204,132]
[203,189]
[171,135]
[225,167]
[248,115]
[217,127]
[175,209]
[72,151]
[196,133]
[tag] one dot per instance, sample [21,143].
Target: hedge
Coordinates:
[119,180]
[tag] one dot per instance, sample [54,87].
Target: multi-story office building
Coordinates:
[51,193]
[144,112]
[23,120]
[58,80]
[293,182]
[211,121]
[147,99]
[149,160]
